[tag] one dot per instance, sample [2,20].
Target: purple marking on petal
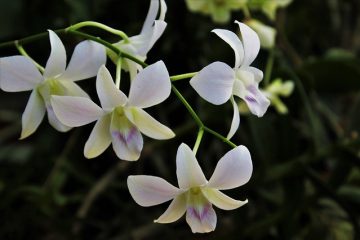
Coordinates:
[252,89]
[200,213]
[123,137]
[250,99]
[131,134]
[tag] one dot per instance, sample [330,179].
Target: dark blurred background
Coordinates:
[306,176]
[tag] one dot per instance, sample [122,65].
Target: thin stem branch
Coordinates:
[25,54]
[182,76]
[118,72]
[246,12]
[198,120]
[29,39]
[101,26]
[269,66]
[108,45]
[198,139]
[221,137]
[188,107]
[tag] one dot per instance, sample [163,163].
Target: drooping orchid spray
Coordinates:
[121,119]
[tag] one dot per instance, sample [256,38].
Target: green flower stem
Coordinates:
[182,76]
[29,39]
[101,26]
[198,139]
[198,120]
[219,136]
[246,12]
[118,72]
[188,107]
[108,45]
[269,66]
[24,53]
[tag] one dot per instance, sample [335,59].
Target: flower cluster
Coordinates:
[121,119]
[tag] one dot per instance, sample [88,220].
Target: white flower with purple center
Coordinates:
[218,82]
[121,120]
[19,73]
[196,195]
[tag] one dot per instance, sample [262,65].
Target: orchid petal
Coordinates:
[57,60]
[109,95]
[221,200]
[175,211]
[149,190]
[148,125]
[54,121]
[251,43]
[244,79]
[72,89]
[258,74]
[256,101]
[75,111]
[214,83]
[201,218]
[233,40]
[150,87]
[163,10]
[150,39]
[151,16]
[233,169]
[99,139]
[235,121]
[87,58]
[126,139]
[33,114]
[18,73]
[188,171]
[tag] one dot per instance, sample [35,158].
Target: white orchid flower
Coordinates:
[19,73]
[139,45]
[196,195]
[121,118]
[218,82]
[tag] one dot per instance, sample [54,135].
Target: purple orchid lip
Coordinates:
[123,137]
[200,213]
[250,99]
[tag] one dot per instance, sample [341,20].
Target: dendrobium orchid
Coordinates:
[121,118]
[139,45]
[19,73]
[218,82]
[196,195]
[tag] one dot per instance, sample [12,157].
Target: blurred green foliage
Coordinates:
[306,164]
